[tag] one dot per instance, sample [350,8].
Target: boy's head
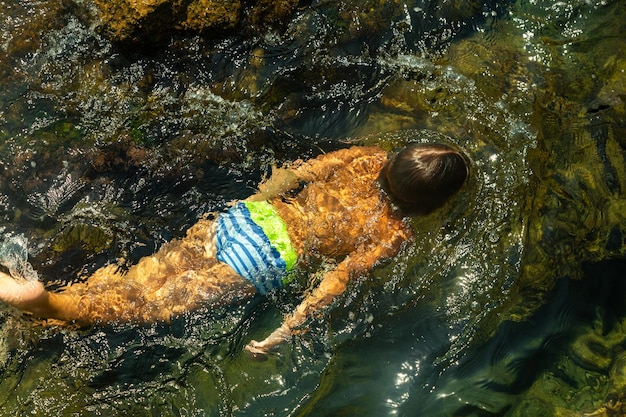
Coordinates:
[421,177]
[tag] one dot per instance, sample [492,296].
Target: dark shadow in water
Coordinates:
[139,365]
[402,355]
[521,352]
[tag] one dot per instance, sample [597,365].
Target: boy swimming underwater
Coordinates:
[347,207]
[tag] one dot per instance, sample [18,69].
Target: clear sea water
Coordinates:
[510,303]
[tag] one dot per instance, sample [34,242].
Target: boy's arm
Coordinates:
[285,179]
[326,164]
[333,284]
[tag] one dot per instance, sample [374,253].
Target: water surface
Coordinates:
[107,152]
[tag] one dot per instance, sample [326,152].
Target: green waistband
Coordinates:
[266,216]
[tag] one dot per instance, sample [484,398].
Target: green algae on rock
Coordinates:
[82,236]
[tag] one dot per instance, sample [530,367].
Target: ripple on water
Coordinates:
[149,134]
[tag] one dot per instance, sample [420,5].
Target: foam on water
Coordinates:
[14,257]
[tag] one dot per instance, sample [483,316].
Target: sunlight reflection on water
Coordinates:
[138,147]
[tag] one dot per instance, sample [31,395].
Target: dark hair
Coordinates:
[421,177]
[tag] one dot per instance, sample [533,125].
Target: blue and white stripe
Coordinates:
[243,245]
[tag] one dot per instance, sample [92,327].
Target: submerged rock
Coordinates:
[84,236]
[150,21]
[213,15]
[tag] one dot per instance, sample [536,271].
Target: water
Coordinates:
[14,257]
[107,152]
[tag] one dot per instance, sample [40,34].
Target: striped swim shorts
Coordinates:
[252,239]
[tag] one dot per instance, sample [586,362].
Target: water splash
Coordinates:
[14,257]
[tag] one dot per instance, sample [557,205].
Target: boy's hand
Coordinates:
[281,181]
[259,350]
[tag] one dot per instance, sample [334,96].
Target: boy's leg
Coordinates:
[115,299]
[31,296]
[21,294]
[188,291]
[151,290]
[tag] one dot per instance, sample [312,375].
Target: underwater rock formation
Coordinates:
[150,21]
